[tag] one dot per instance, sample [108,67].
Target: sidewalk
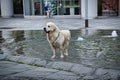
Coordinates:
[26,68]
[63,23]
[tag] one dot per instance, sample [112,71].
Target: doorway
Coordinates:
[37,8]
[18,6]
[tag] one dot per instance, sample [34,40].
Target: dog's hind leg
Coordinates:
[66,52]
[66,44]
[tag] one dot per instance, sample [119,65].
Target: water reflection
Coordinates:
[8,39]
[113,35]
[94,49]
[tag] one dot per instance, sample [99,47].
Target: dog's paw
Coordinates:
[66,54]
[53,57]
[62,56]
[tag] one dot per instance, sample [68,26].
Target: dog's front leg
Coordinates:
[54,53]
[61,52]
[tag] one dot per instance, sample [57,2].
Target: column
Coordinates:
[0,7]
[26,7]
[92,8]
[6,8]
[72,11]
[119,9]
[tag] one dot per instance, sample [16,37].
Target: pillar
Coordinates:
[72,11]
[6,8]
[0,7]
[92,9]
[26,6]
[119,9]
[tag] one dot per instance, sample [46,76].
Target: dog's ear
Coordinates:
[54,29]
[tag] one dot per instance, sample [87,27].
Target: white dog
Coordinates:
[57,39]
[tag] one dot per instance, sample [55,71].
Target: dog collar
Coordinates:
[56,38]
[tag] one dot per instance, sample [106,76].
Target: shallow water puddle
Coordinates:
[87,46]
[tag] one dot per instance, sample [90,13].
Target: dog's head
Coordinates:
[50,27]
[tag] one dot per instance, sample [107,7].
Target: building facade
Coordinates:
[56,7]
[89,8]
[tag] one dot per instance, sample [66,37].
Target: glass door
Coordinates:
[37,8]
[18,6]
[54,7]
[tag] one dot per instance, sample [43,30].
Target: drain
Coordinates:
[6,27]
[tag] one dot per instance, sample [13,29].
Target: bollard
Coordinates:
[86,23]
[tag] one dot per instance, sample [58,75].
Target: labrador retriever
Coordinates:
[58,39]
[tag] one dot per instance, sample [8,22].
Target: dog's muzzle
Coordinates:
[46,30]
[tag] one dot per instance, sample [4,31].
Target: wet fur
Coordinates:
[58,39]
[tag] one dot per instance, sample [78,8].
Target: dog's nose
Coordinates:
[44,28]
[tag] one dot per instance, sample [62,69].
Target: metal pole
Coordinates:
[86,14]
[86,23]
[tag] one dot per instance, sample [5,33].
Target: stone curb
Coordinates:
[65,66]
[81,70]
[27,60]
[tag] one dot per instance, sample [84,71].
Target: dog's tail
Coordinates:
[69,35]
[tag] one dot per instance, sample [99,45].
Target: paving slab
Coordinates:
[13,58]
[15,69]
[108,73]
[2,56]
[7,64]
[60,65]
[46,74]
[37,72]
[40,62]
[62,75]
[26,60]
[81,69]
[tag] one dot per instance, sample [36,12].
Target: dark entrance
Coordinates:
[37,8]
[18,6]
[99,7]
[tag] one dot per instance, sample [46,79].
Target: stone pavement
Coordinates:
[27,68]
[63,23]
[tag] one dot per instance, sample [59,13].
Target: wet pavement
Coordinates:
[91,52]
[63,23]
[94,52]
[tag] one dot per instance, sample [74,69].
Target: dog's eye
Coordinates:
[48,26]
